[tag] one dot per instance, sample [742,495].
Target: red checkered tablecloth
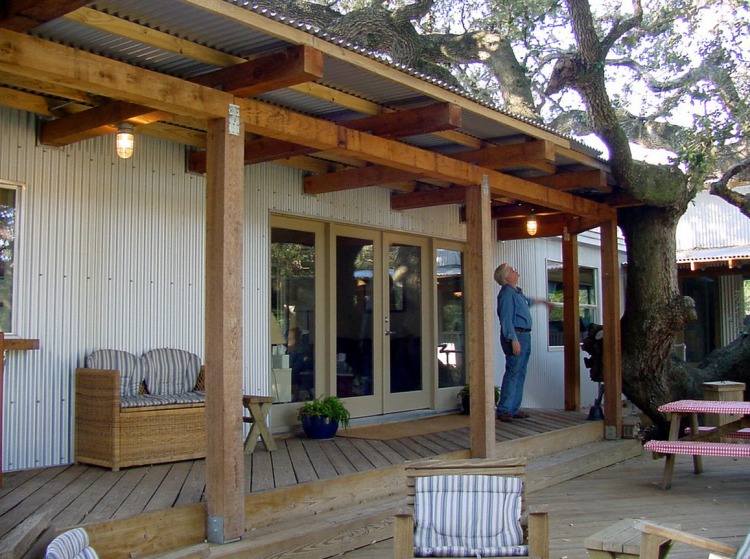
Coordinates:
[699,448]
[706,406]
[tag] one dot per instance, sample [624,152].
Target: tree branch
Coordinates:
[721,188]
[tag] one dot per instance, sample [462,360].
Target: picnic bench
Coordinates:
[621,540]
[702,440]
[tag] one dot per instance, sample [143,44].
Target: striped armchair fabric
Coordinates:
[129,366]
[468,516]
[170,371]
[469,508]
[73,544]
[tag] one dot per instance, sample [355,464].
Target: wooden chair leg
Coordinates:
[403,537]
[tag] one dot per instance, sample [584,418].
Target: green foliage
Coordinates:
[465,391]
[325,406]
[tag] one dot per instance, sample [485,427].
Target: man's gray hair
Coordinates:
[501,273]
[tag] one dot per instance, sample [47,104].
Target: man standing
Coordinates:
[515,341]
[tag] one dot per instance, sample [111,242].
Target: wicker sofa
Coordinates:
[132,411]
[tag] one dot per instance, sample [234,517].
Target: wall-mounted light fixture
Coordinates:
[125,140]
[531,225]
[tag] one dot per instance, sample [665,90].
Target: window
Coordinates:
[587,300]
[450,316]
[292,314]
[8,218]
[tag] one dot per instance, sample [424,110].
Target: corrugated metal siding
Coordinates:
[111,254]
[711,222]
[544,387]
[732,311]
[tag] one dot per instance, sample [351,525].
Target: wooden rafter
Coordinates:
[547,226]
[427,198]
[25,15]
[250,78]
[592,180]
[539,154]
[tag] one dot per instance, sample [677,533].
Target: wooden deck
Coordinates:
[714,504]
[79,494]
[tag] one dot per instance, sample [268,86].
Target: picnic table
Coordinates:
[699,441]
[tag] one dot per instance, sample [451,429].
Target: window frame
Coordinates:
[594,308]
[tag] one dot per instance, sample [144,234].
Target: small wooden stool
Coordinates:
[622,540]
[258,407]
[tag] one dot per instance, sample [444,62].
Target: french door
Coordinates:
[380,320]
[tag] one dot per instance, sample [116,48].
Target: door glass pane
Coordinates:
[7,255]
[354,319]
[405,329]
[292,314]
[450,304]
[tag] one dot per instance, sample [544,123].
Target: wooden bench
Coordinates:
[699,448]
[622,540]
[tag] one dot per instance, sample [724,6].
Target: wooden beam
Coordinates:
[31,57]
[571,314]
[519,210]
[98,121]
[259,150]
[24,101]
[268,120]
[268,73]
[25,15]
[480,317]
[224,233]
[411,122]
[594,180]
[536,153]
[548,226]
[612,352]
[428,198]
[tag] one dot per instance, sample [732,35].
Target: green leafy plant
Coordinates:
[325,406]
[465,392]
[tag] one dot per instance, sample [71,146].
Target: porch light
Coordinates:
[531,225]
[125,140]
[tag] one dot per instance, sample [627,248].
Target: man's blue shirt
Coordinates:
[513,311]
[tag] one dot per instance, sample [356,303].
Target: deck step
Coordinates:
[329,534]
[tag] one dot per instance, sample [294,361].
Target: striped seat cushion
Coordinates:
[73,544]
[148,400]
[170,371]
[468,516]
[744,551]
[129,366]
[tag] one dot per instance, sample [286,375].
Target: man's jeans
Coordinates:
[511,390]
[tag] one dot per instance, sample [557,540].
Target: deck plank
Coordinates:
[166,494]
[303,469]
[106,508]
[79,508]
[317,452]
[371,453]
[282,468]
[195,485]
[136,502]
[261,471]
[353,455]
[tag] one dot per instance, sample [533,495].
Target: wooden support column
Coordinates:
[612,358]
[20,344]
[480,314]
[571,314]
[225,480]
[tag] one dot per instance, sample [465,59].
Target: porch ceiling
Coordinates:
[350,118]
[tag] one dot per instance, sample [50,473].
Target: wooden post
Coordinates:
[225,480]
[571,313]
[480,314]
[6,345]
[612,355]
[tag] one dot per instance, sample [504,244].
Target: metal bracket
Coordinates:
[234,119]
[215,530]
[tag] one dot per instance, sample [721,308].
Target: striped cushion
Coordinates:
[73,544]
[744,551]
[147,400]
[466,515]
[129,366]
[170,371]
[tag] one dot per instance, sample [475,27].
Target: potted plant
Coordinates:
[322,416]
[463,395]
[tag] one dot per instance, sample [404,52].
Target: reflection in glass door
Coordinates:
[404,321]
[355,366]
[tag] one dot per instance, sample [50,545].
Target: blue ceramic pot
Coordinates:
[318,427]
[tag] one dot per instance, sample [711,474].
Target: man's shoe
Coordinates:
[505,416]
[521,415]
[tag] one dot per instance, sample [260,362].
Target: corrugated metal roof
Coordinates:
[713,254]
[238,39]
[712,225]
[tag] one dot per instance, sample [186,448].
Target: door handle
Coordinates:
[389,332]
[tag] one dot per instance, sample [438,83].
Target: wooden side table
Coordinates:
[258,408]
[622,540]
